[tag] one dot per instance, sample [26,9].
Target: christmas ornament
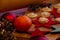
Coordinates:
[22,23]
[8,26]
[6,30]
[47,25]
[4,35]
[8,16]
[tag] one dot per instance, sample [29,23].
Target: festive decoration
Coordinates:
[4,35]
[8,16]
[6,30]
[8,26]
[48,25]
[22,23]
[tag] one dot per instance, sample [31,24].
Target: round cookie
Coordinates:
[45,14]
[43,20]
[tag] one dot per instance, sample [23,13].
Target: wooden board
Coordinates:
[25,36]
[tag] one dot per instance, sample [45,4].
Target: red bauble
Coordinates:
[10,17]
[22,23]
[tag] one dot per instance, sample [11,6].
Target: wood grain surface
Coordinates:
[27,36]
